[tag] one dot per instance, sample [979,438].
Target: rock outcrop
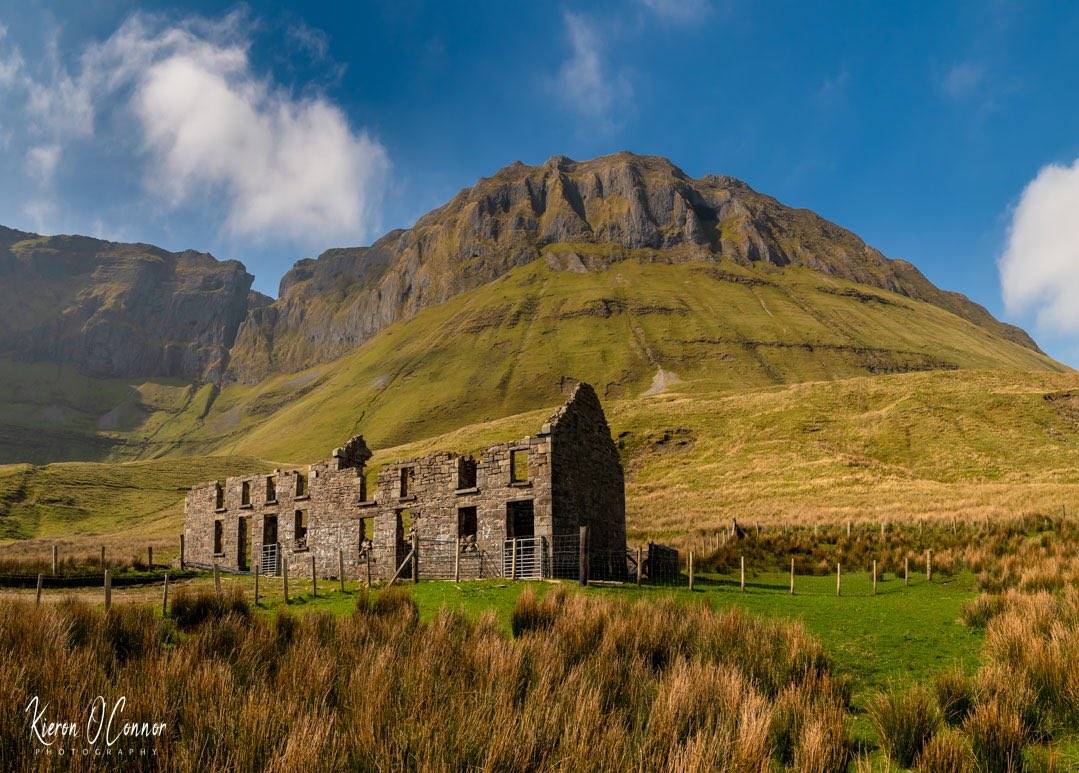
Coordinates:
[136,310]
[120,310]
[579,216]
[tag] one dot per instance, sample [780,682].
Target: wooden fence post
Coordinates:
[314,580]
[55,559]
[691,570]
[742,574]
[258,570]
[165,597]
[217,580]
[848,528]
[582,562]
[150,556]
[341,567]
[838,579]
[108,590]
[792,576]
[457,561]
[284,578]
[882,529]
[182,556]
[39,580]
[874,577]
[369,569]
[415,556]
[638,566]
[906,570]
[929,565]
[102,556]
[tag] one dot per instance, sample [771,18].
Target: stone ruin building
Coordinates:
[514,511]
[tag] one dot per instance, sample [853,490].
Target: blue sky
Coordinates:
[940,133]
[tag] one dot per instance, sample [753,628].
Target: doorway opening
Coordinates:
[243,545]
[520,520]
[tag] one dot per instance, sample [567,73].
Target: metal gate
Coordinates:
[525,558]
[269,562]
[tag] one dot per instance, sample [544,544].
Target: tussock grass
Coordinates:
[619,685]
[191,608]
[955,695]
[997,737]
[946,752]
[1026,693]
[905,722]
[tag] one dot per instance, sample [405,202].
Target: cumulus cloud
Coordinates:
[1039,269]
[209,128]
[584,81]
[285,165]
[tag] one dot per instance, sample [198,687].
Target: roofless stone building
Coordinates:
[516,509]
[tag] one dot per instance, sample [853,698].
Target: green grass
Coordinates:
[965,444]
[899,637]
[84,504]
[505,348]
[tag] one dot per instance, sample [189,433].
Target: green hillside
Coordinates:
[967,444]
[508,347]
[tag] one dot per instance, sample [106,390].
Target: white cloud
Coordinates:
[1039,269]
[584,81]
[209,129]
[41,161]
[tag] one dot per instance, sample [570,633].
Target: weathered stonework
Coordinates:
[459,510]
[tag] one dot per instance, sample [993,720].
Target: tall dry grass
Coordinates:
[1025,694]
[998,552]
[587,682]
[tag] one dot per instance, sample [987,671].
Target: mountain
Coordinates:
[635,330]
[579,216]
[620,271]
[120,310]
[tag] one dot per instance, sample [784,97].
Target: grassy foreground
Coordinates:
[930,675]
[899,637]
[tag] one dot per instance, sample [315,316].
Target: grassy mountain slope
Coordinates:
[607,209]
[967,444]
[507,347]
[510,346]
[137,503]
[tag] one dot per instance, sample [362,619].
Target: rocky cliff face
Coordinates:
[120,310]
[136,310]
[578,216]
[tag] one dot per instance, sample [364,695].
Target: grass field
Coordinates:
[899,448]
[899,637]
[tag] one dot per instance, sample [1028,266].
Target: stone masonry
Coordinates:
[460,511]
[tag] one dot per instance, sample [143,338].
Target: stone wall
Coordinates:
[567,475]
[589,486]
